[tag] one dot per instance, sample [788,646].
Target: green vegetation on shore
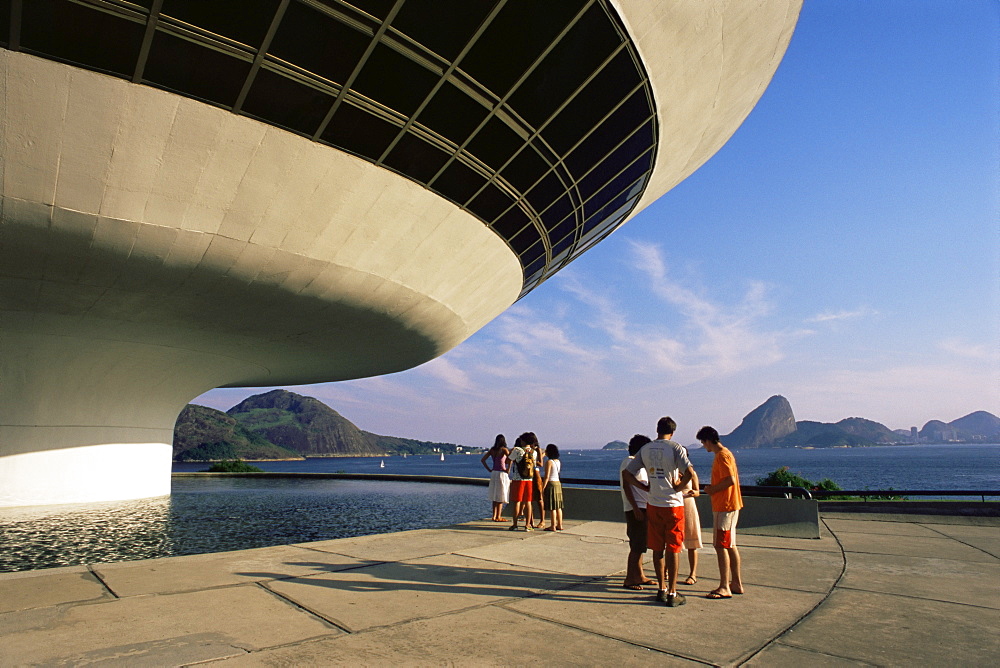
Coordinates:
[782,477]
[233,466]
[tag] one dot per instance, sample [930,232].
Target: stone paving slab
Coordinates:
[718,632]
[892,630]
[882,528]
[779,655]
[203,571]
[488,636]
[574,554]
[986,539]
[914,546]
[973,583]
[413,544]
[803,570]
[156,630]
[825,542]
[75,586]
[396,592]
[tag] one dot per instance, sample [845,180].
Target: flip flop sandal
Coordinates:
[632,587]
[714,595]
[691,580]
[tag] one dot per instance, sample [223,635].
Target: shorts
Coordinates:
[636,531]
[520,491]
[725,528]
[665,528]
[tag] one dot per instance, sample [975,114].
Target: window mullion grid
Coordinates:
[279,13]
[523,202]
[444,78]
[147,40]
[544,125]
[537,222]
[623,190]
[14,39]
[513,89]
[597,164]
[570,151]
[357,68]
[620,172]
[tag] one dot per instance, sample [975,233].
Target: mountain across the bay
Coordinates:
[283,425]
[773,425]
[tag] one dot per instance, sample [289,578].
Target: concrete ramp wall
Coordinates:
[761,516]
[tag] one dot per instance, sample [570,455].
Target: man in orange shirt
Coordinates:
[726,504]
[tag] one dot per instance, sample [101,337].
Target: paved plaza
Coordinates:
[873,590]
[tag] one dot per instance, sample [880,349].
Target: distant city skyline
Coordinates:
[841,250]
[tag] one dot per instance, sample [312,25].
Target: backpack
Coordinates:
[526,466]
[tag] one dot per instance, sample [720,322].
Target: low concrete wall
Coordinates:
[761,516]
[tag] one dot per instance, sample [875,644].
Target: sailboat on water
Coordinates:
[442,456]
[381,464]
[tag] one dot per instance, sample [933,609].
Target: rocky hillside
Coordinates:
[302,424]
[282,425]
[763,426]
[978,426]
[205,434]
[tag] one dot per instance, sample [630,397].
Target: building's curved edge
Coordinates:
[709,64]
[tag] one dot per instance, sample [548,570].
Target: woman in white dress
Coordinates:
[499,479]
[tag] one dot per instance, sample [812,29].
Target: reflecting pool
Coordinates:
[220,514]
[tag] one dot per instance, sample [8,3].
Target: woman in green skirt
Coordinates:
[552,488]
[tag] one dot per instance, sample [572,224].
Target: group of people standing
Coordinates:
[522,475]
[659,486]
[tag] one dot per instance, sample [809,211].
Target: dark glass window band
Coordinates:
[549,146]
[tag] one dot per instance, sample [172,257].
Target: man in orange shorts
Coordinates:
[665,462]
[726,503]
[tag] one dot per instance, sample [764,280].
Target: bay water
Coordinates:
[215,514]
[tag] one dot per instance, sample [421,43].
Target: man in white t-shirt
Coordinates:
[669,471]
[635,527]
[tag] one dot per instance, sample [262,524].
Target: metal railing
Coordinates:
[895,494]
[747,490]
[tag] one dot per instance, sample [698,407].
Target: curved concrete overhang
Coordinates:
[153,247]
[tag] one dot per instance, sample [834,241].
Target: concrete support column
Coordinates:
[86,419]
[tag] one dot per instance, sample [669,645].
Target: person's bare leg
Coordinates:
[633,573]
[516,513]
[660,567]
[692,566]
[673,565]
[736,578]
[529,515]
[723,556]
[642,571]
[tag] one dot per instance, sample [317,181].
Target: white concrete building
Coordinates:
[205,193]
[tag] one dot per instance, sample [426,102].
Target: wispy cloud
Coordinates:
[972,351]
[444,370]
[829,316]
[708,337]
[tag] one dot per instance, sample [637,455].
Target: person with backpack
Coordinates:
[522,478]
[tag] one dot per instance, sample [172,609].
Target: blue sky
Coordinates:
[842,250]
